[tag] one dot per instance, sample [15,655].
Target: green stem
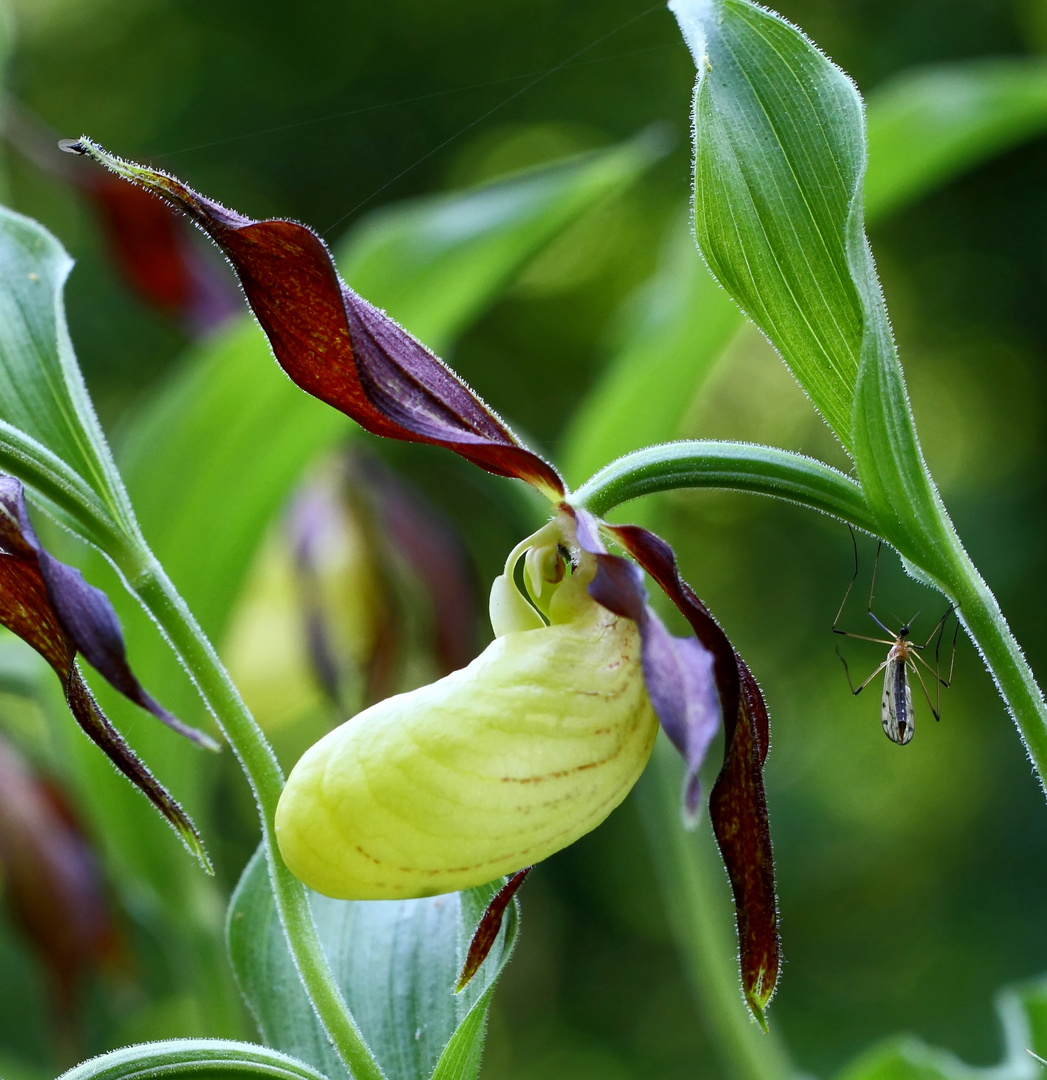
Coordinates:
[764,470]
[699,907]
[981,615]
[65,493]
[150,583]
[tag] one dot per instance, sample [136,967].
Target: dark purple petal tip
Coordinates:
[50,606]
[487,931]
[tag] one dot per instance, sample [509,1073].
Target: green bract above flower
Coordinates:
[518,754]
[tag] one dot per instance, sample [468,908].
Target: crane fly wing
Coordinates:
[896,704]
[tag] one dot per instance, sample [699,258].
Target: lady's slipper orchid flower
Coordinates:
[493,767]
[518,754]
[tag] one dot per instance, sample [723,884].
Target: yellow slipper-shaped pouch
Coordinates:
[491,768]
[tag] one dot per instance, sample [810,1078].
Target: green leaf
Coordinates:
[924,128]
[928,125]
[177,1058]
[397,962]
[45,412]
[435,263]
[779,156]
[1022,1013]
[7,27]
[231,432]
[779,162]
[229,435]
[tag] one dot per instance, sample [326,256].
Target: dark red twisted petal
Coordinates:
[738,805]
[338,347]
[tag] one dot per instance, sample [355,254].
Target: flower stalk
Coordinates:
[150,583]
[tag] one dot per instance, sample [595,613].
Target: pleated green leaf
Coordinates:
[219,1059]
[435,263]
[49,434]
[925,127]
[779,157]
[779,164]
[669,335]
[397,962]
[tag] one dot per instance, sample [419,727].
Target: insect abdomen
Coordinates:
[902,703]
[897,702]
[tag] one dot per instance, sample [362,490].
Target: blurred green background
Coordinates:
[912,883]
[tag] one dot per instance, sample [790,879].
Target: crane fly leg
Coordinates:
[847,671]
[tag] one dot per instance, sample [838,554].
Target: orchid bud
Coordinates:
[491,768]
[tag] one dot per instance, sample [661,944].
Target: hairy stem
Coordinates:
[764,470]
[150,583]
[981,616]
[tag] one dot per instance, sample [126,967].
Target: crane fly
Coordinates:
[903,657]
